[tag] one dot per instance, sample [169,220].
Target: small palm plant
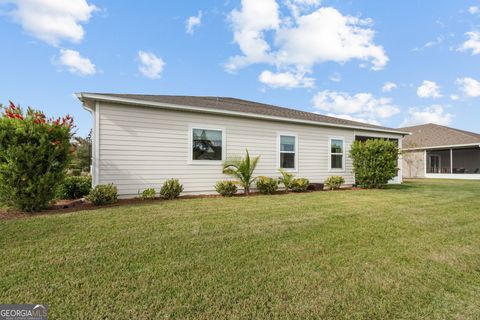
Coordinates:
[242,169]
[286,179]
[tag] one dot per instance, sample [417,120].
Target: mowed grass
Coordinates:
[406,252]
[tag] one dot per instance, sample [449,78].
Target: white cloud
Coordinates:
[360,106]
[336,77]
[473,42]
[358,119]
[301,40]
[193,22]
[469,86]
[389,86]
[285,80]
[473,9]
[429,89]
[433,114]
[249,25]
[454,97]
[53,20]
[151,66]
[76,63]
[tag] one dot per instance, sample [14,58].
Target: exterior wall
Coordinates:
[141,147]
[414,164]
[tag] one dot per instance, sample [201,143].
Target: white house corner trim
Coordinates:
[96,141]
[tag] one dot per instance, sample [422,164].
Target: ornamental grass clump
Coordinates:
[34,154]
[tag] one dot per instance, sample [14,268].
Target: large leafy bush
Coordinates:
[374,162]
[226,188]
[171,189]
[34,154]
[75,187]
[103,194]
[242,169]
[267,185]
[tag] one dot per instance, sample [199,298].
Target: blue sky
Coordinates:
[331,57]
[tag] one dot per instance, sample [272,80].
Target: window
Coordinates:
[336,154]
[288,151]
[207,144]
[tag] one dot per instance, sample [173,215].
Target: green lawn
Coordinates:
[407,252]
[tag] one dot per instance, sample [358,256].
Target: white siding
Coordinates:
[141,147]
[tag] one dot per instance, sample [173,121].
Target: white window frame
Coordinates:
[190,144]
[330,169]
[288,134]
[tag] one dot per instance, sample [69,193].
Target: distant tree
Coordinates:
[82,156]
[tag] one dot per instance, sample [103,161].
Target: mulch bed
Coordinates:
[67,206]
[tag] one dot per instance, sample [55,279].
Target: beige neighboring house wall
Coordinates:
[414,164]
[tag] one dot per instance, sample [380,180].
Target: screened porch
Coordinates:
[453,163]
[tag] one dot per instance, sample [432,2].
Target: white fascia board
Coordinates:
[444,147]
[106,98]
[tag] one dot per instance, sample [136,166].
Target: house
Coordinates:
[434,151]
[142,140]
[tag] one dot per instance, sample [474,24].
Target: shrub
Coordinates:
[286,179]
[226,188]
[374,162]
[103,194]
[334,182]
[171,189]
[148,194]
[267,185]
[299,184]
[34,155]
[242,169]
[75,187]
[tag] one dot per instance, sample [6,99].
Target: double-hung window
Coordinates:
[288,151]
[337,154]
[206,145]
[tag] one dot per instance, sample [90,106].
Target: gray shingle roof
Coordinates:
[434,135]
[239,105]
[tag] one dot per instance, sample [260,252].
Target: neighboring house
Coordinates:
[434,151]
[142,140]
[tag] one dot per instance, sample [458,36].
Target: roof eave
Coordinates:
[106,98]
[475,144]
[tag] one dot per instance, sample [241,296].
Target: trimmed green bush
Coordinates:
[148,194]
[267,185]
[334,182]
[299,184]
[103,194]
[75,187]
[171,189]
[34,155]
[226,188]
[286,179]
[374,162]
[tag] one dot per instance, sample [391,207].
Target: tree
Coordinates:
[242,169]
[34,154]
[374,162]
[82,156]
